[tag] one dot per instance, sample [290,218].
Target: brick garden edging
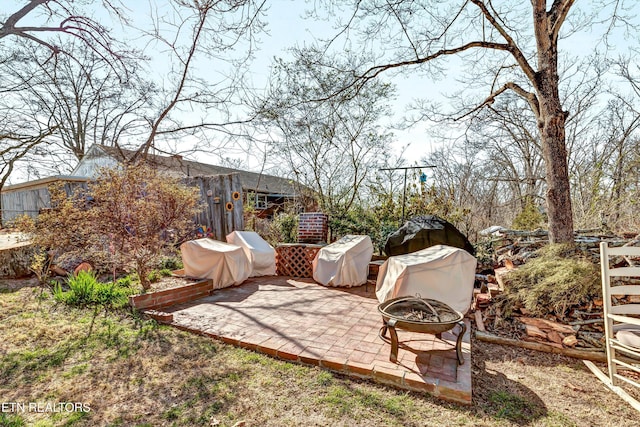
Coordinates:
[153,303]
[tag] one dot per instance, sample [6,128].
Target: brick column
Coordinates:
[312,227]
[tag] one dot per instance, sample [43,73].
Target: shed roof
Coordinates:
[42,182]
[178,166]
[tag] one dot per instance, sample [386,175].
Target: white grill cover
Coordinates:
[443,273]
[226,265]
[344,263]
[261,254]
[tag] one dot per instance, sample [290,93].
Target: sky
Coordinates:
[287,27]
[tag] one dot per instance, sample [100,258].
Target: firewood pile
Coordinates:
[582,327]
[515,247]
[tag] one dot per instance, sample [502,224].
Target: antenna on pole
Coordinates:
[404,185]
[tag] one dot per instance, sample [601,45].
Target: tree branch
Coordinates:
[557,15]
[512,46]
[360,80]
[9,26]
[144,149]
[526,95]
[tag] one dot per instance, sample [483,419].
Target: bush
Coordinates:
[85,290]
[286,225]
[126,281]
[529,219]
[109,295]
[165,272]
[283,228]
[82,288]
[360,220]
[551,283]
[125,219]
[153,276]
[170,263]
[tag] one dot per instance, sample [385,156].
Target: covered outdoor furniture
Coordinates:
[226,265]
[261,254]
[622,324]
[442,273]
[344,263]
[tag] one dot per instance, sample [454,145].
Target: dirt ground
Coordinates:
[508,376]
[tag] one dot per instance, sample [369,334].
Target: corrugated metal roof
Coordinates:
[178,166]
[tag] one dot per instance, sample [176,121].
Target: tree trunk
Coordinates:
[558,193]
[551,124]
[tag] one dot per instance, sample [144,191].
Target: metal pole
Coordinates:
[404,187]
[404,195]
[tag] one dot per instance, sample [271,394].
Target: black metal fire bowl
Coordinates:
[415,314]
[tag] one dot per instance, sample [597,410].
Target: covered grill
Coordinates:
[415,314]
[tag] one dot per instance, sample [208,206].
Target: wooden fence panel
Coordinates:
[222,195]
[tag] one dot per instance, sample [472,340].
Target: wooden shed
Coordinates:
[31,197]
[267,193]
[221,194]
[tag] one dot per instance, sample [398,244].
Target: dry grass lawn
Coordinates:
[132,372]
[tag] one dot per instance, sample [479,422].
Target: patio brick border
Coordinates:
[380,372]
[153,302]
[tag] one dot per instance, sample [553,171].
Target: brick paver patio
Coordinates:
[337,329]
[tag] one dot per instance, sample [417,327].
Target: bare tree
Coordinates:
[199,35]
[192,36]
[519,54]
[36,23]
[85,99]
[332,146]
[506,132]
[15,145]
[64,17]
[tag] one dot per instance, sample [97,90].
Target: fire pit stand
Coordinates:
[415,314]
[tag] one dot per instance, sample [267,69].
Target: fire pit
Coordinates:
[415,314]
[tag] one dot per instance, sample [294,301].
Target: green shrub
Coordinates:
[125,282]
[529,219]
[82,288]
[59,295]
[359,220]
[153,276]
[287,226]
[165,272]
[172,263]
[109,295]
[85,290]
[283,228]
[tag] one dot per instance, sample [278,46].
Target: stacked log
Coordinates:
[581,329]
[518,246]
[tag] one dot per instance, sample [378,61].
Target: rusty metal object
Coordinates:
[415,314]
